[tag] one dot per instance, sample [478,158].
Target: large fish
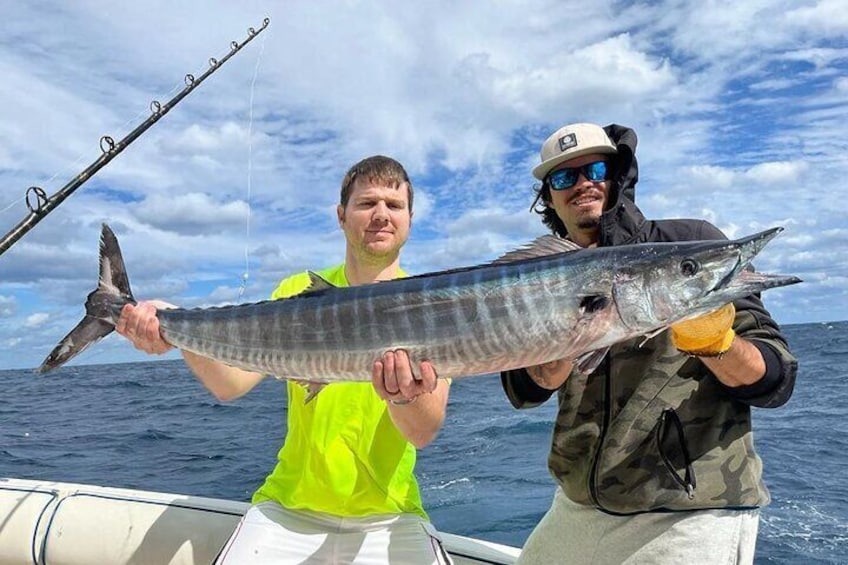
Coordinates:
[547,301]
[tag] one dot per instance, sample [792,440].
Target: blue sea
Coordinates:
[152,426]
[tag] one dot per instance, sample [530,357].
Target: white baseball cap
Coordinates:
[570,142]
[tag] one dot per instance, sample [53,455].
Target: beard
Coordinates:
[590,223]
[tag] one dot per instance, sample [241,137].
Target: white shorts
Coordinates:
[269,533]
[572,533]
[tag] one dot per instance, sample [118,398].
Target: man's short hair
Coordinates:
[375,169]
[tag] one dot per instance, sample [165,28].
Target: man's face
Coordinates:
[376,219]
[580,206]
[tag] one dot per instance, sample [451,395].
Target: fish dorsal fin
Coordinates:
[539,247]
[312,390]
[589,361]
[317,283]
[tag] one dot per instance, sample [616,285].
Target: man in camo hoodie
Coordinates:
[653,451]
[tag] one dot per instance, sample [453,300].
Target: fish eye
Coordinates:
[689,267]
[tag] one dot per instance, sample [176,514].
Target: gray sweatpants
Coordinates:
[571,533]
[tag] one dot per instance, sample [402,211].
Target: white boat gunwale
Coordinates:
[45,522]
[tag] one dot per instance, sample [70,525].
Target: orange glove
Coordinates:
[709,335]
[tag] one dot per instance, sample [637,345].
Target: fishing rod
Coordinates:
[37,201]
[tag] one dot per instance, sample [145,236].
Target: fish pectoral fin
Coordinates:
[539,247]
[590,361]
[652,334]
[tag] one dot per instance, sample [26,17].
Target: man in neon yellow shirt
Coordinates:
[343,490]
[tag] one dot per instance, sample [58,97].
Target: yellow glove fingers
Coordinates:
[710,334]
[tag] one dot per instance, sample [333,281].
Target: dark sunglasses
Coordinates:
[563,179]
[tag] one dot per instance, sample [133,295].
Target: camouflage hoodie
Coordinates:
[652,429]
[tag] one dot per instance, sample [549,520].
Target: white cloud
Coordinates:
[781,172]
[738,109]
[36,320]
[191,213]
[706,176]
[8,305]
[826,16]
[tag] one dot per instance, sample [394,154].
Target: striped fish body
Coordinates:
[545,302]
[466,323]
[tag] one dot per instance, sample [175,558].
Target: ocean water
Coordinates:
[151,426]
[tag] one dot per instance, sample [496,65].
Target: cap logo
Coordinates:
[567,142]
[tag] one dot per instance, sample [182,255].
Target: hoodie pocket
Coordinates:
[671,445]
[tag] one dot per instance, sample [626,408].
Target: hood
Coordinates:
[622,221]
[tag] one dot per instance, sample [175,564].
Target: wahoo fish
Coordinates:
[548,300]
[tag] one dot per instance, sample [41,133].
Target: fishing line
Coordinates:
[110,148]
[74,165]
[246,275]
[9,207]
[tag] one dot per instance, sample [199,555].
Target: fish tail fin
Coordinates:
[102,307]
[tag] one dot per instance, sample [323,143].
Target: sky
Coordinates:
[741,110]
